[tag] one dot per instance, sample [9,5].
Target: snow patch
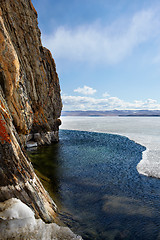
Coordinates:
[15,209]
[150,163]
[17,221]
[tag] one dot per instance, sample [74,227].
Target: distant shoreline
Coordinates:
[110,116]
[138,115]
[113,113]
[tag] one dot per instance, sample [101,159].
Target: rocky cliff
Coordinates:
[30,104]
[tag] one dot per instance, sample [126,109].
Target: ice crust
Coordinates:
[17,221]
[150,163]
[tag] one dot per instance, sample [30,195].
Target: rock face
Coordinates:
[30,104]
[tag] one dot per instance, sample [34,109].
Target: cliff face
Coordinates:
[30,104]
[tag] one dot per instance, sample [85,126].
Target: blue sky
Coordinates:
[107,52]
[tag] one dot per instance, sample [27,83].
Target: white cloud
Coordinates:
[106,94]
[72,103]
[85,90]
[104,44]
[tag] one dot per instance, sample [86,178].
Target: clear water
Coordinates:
[94,178]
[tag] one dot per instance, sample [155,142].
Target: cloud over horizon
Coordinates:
[84,103]
[108,44]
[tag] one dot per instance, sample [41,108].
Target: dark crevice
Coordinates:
[2,81]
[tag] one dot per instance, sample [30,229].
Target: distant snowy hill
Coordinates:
[152,113]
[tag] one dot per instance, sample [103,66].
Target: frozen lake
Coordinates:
[143,130]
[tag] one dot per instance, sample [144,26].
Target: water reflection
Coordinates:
[46,160]
[125,205]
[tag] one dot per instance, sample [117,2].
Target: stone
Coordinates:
[38,139]
[31,144]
